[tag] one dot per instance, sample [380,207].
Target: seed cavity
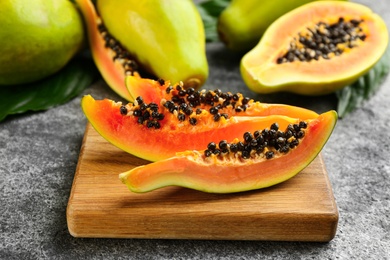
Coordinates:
[324,41]
[146,114]
[189,103]
[265,143]
[121,54]
[186,105]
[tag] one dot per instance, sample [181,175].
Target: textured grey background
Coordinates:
[39,153]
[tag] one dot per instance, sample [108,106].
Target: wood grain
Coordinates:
[300,209]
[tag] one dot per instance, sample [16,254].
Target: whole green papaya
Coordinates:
[243,22]
[37,38]
[166,37]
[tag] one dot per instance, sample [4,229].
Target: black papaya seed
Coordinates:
[123,110]
[211,146]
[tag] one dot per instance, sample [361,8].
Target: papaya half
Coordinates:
[165,118]
[265,158]
[242,23]
[316,49]
[161,39]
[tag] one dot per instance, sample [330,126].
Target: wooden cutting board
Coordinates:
[300,209]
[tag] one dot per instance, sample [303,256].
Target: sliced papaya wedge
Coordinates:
[112,69]
[316,49]
[153,132]
[228,171]
[232,104]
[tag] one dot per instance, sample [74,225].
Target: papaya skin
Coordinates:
[262,74]
[190,169]
[112,71]
[168,40]
[242,23]
[38,38]
[152,144]
[152,91]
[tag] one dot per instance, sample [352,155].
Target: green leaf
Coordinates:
[49,92]
[353,96]
[209,11]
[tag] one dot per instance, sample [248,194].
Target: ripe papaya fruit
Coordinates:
[316,49]
[38,38]
[164,40]
[242,23]
[168,118]
[225,167]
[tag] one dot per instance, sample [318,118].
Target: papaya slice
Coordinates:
[228,170]
[232,104]
[316,49]
[113,65]
[153,132]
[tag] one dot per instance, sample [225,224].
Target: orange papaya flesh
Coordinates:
[231,104]
[113,65]
[316,49]
[230,172]
[154,133]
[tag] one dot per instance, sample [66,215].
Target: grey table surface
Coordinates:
[39,153]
